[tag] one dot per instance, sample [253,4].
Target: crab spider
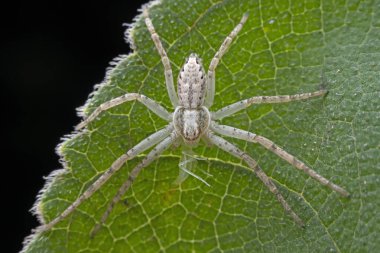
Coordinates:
[192,121]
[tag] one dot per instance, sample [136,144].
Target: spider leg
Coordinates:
[149,103]
[164,58]
[240,105]
[116,165]
[214,62]
[268,144]
[235,151]
[152,155]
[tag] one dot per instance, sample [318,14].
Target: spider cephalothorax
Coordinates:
[192,121]
[191,124]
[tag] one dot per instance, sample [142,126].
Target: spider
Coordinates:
[191,122]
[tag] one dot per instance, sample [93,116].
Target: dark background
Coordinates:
[51,55]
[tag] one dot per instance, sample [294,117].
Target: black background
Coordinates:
[51,55]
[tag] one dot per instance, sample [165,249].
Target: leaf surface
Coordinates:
[286,47]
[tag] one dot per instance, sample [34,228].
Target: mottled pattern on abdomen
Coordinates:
[192,83]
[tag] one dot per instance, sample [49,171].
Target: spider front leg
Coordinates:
[164,58]
[268,144]
[149,103]
[235,151]
[214,62]
[154,154]
[116,165]
[238,106]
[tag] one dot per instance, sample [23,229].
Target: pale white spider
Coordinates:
[192,121]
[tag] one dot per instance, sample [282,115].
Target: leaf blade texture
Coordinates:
[286,47]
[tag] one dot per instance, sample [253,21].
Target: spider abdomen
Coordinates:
[192,83]
[191,124]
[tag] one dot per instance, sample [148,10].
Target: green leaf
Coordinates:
[286,47]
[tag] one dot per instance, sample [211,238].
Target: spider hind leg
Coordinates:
[235,151]
[271,146]
[152,155]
